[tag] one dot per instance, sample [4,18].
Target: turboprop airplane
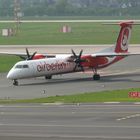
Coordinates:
[41,65]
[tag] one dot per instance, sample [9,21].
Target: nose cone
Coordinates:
[10,75]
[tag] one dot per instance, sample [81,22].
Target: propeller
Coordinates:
[29,57]
[78,60]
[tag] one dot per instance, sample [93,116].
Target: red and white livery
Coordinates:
[38,65]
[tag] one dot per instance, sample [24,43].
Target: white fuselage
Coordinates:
[48,67]
[41,67]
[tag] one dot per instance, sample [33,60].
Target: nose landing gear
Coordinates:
[15,82]
[48,77]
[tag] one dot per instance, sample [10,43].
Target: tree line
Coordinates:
[72,7]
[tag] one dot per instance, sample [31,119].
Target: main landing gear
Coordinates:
[15,83]
[48,77]
[96,76]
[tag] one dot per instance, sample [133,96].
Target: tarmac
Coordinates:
[104,121]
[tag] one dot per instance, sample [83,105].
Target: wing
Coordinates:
[69,56]
[113,54]
[24,55]
[14,53]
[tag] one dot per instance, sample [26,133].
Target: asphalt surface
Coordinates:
[70,122]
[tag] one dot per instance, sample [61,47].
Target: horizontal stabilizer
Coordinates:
[122,23]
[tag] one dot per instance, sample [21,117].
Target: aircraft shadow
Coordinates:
[104,79]
[60,81]
[121,78]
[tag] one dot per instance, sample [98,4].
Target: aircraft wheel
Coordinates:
[48,77]
[96,77]
[15,83]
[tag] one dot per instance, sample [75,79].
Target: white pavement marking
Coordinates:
[56,103]
[111,102]
[129,117]
[137,103]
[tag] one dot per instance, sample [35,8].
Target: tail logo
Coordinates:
[124,40]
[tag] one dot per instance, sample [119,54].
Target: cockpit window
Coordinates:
[21,66]
[25,66]
[18,66]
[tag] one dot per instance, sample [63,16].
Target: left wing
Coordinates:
[14,53]
[24,55]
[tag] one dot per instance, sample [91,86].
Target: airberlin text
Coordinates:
[52,66]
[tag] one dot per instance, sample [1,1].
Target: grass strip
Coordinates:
[105,96]
[50,33]
[7,62]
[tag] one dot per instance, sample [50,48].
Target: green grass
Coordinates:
[105,96]
[6,62]
[49,33]
[74,18]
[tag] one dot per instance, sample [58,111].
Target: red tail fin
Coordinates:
[124,37]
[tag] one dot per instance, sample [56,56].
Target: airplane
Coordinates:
[38,65]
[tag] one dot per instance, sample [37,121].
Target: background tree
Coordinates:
[72,7]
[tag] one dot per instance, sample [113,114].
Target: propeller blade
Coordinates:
[78,60]
[74,53]
[82,68]
[80,54]
[27,52]
[75,67]
[31,58]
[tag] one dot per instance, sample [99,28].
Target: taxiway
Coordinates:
[70,122]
